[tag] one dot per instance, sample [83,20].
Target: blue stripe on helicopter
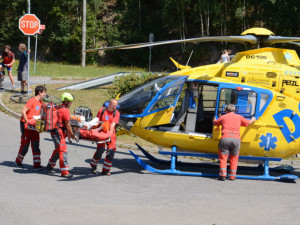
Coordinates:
[279,118]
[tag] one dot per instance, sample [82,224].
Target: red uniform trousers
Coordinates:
[233,165]
[111,149]
[60,151]
[27,137]
[229,146]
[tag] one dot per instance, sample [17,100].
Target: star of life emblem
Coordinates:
[268,142]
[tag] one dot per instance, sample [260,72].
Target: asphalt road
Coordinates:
[130,195]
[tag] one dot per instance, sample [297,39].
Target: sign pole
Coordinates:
[28,51]
[35,50]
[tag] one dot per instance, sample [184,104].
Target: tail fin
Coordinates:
[181,67]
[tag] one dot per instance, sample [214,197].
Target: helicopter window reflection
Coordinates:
[167,98]
[136,101]
[244,101]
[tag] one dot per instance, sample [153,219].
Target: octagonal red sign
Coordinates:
[29,24]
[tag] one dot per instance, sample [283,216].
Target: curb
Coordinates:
[6,110]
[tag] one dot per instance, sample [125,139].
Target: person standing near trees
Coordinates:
[23,66]
[225,57]
[230,141]
[8,60]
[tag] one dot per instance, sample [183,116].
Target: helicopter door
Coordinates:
[160,110]
[245,100]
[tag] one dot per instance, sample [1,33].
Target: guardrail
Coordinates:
[100,81]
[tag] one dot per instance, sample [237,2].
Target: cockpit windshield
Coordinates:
[136,101]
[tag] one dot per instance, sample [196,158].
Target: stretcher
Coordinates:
[89,131]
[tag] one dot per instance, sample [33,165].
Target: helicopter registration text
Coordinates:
[256,56]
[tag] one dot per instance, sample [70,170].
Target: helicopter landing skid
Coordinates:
[173,163]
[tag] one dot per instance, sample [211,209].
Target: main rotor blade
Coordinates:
[295,43]
[278,39]
[241,39]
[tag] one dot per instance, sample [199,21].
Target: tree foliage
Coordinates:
[124,84]
[118,22]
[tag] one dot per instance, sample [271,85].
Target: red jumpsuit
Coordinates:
[111,146]
[59,139]
[32,136]
[230,142]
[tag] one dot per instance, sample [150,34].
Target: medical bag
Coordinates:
[84,111]
[49,118]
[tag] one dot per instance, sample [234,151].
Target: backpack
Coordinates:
[49,117]
[103,110]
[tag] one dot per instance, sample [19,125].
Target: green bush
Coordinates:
[124,84]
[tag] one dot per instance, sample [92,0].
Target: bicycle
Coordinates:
[2,75]
[23,98]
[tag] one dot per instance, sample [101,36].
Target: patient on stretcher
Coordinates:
[94,130]
[97,134]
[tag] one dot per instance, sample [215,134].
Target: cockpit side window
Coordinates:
[135,102]
[168,97]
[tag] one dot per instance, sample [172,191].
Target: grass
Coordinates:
[93,98]
[73,72]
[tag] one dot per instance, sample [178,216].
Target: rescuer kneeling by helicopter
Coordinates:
[230,141]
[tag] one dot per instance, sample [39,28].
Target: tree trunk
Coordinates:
[202,26]
[83,42]
[207,21]
[225,18]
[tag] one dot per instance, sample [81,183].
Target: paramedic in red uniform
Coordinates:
[59,137]
[112,115]
[8,60]
[230,140]
[31,110]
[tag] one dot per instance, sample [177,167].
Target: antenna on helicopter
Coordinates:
[189,58]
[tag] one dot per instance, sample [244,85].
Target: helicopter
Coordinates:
[176,111]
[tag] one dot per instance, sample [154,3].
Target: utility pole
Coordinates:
[83,42]
[151,39]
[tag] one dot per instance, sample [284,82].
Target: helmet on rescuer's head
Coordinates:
[67,97]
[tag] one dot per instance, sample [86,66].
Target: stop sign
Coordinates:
[29,24]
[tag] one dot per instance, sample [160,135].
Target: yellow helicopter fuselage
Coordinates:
[263,72]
